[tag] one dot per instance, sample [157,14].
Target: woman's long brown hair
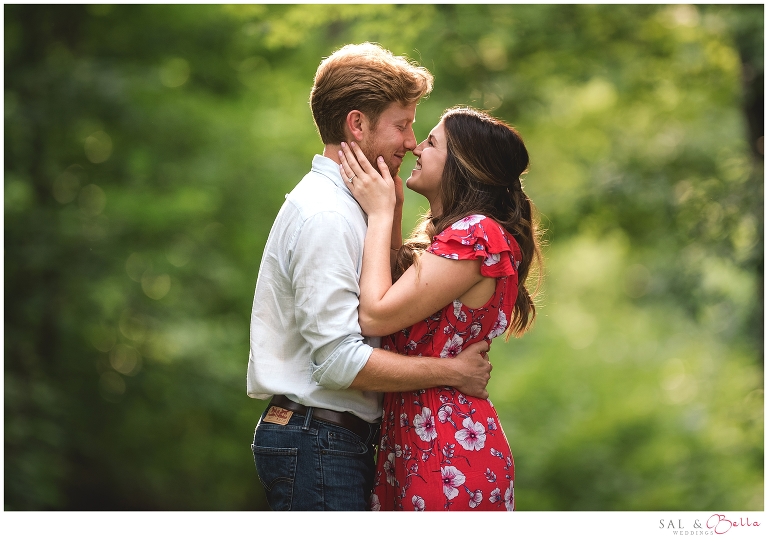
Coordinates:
[484,162]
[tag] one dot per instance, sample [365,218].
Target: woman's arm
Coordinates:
[424,288]
[419,293]
[397,222]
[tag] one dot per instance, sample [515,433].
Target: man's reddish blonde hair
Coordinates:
[365,77]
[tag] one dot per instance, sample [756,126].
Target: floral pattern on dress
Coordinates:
[441,450]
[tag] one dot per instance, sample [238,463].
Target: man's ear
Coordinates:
[357,124]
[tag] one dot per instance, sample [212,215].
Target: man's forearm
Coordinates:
[389,372]
[385,371]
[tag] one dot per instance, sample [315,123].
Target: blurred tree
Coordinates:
[148,149]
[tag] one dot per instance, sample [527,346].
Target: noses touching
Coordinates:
[418,149]
[410,142]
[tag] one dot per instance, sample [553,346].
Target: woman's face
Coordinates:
[430,160]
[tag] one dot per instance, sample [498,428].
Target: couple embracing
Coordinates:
[371,349]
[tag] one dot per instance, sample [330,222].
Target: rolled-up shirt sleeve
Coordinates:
[324,272]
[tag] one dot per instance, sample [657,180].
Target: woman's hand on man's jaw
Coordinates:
[374,190]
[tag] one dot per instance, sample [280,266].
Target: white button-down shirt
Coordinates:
[305,336]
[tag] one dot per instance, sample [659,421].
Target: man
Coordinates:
[314,445]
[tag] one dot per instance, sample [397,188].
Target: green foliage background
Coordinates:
[148,149]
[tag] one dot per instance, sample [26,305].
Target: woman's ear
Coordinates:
[356,124]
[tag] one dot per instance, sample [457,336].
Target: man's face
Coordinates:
[392,137]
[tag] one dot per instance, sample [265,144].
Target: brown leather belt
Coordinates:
[342,419]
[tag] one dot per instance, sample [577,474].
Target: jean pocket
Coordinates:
[276,468]
[341,442]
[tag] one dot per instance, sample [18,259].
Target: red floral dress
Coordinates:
[441,450]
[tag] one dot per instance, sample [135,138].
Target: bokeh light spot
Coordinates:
[491,101]
[213,230]
[464,56]
[95,228]
[125,360]
[136,265]
[180,253]
[132,327]
[111,386]
[98,147]
[683,15]
[174,72]
[67,185]
[155,286]
[493,53]
[92,200]
[18,194]
[679,385]
[103,337]
[597,95]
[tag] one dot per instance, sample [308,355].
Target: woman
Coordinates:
[460,279]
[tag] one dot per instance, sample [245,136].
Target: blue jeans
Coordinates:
[310,465]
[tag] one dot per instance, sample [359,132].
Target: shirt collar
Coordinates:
[328,168]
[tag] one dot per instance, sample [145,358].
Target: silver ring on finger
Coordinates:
[350,178]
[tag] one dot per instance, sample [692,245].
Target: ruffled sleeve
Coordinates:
[480,237]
